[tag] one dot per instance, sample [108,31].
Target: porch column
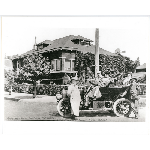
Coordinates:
[55,65]
[17,68]
[63,63]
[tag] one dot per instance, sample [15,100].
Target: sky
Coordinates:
[130,34]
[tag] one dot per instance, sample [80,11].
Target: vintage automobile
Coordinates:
[113,99]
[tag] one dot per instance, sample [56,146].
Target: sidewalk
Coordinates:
[24,97]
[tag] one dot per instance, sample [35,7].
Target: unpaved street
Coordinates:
[30,109]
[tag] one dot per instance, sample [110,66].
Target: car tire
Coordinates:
[63,107]
[122,107]
[40,91]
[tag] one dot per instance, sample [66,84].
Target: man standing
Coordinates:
[75,98]
[134,97]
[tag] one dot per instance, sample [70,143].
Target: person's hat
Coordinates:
[74,78]
[134,79]
[98,72]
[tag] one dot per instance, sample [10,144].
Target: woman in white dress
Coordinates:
[75,98]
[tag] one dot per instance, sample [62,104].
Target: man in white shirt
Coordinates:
[75,98]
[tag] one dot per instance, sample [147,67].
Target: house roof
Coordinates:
[142,66]
[66,43]
[86,49]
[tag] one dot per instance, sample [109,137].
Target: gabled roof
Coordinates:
[142,66]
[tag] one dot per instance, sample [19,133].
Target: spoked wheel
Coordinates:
[122,107]
[41,91]
[30,91]
[64,108]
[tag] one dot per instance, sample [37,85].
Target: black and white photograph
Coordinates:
[82,73]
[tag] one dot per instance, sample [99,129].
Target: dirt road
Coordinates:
[32,110]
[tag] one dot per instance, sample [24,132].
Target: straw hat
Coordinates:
[74,78]
[98,72]
[134,79]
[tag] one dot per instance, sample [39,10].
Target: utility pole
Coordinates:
[96,51]
[34,46]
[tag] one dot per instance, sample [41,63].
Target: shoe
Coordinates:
[73,117]
[136,117]
[66,116]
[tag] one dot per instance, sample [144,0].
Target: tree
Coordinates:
[117,63]
[9,76]
[34,68]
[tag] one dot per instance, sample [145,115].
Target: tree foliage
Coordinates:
[9,76]
[117,63]
[35,67]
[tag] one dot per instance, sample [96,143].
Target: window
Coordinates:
[73,62]
[76,41]
[53,64]
[58,65]
[68,65]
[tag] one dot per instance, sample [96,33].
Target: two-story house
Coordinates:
[61,53]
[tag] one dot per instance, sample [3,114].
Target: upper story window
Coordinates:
[73,64]
[53,65]
[56,64]
[76,41]
[67,65]
[81,42]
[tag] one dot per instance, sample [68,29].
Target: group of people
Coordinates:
[100,81]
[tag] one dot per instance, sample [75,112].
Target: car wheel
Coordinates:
[122,107]
[64,108]
[40,91]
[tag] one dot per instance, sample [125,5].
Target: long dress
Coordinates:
[75,98]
